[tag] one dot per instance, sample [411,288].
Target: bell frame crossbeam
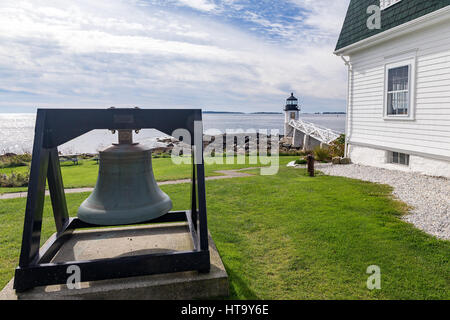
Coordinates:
[57,126]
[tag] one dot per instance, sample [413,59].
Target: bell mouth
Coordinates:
[89,213]
[123,144]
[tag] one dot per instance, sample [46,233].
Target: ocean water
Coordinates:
[17,130]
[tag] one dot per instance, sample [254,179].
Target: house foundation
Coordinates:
[376,157]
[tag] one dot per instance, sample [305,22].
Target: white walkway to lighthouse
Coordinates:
[322,134]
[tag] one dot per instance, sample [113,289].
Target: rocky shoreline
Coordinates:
[240,144]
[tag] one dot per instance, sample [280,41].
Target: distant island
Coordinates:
[266,113]
[222,112]
[231,112]
[337,112]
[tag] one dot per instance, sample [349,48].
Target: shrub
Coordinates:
[337,147]
[14,180]
[87,156]
[322,154]
[25,157]
[15,160]
[301,161]
[292,153]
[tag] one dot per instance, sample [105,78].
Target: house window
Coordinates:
[399,97]
[387,3]
[398,91]
[293,115]
[398,158]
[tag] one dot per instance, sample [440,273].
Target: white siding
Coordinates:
[429,132]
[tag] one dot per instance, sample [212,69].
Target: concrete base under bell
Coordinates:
[107,243]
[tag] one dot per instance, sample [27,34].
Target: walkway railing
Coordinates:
[322,134]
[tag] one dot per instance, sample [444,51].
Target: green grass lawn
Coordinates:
[290,236]
[85,174]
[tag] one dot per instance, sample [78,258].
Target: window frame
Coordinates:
[411,63]
[390,158]
[384,4]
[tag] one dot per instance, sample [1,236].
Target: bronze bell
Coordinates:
[126,191]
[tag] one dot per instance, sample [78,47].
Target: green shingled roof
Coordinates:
[355,24]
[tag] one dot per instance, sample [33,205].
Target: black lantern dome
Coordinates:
[291,103]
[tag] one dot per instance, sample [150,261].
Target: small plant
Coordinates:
[301,161]
[14,180]
[86,156]
[322,154]
[15,160]
[26,157]
[292,153]
[337,147]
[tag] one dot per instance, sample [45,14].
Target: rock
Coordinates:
[345,161]
[161,150]
[167,140]
[291,164]
[336,160]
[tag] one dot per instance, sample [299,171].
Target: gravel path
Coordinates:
[429,196]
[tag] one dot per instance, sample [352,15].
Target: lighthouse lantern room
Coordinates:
[291,112]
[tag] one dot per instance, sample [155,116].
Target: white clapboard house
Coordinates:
[398,110]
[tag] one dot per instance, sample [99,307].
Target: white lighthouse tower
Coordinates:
[291,112]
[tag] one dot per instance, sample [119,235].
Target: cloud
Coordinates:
[102,53]
[203,5]
[324,15]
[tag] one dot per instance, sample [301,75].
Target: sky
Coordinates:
[227,55]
